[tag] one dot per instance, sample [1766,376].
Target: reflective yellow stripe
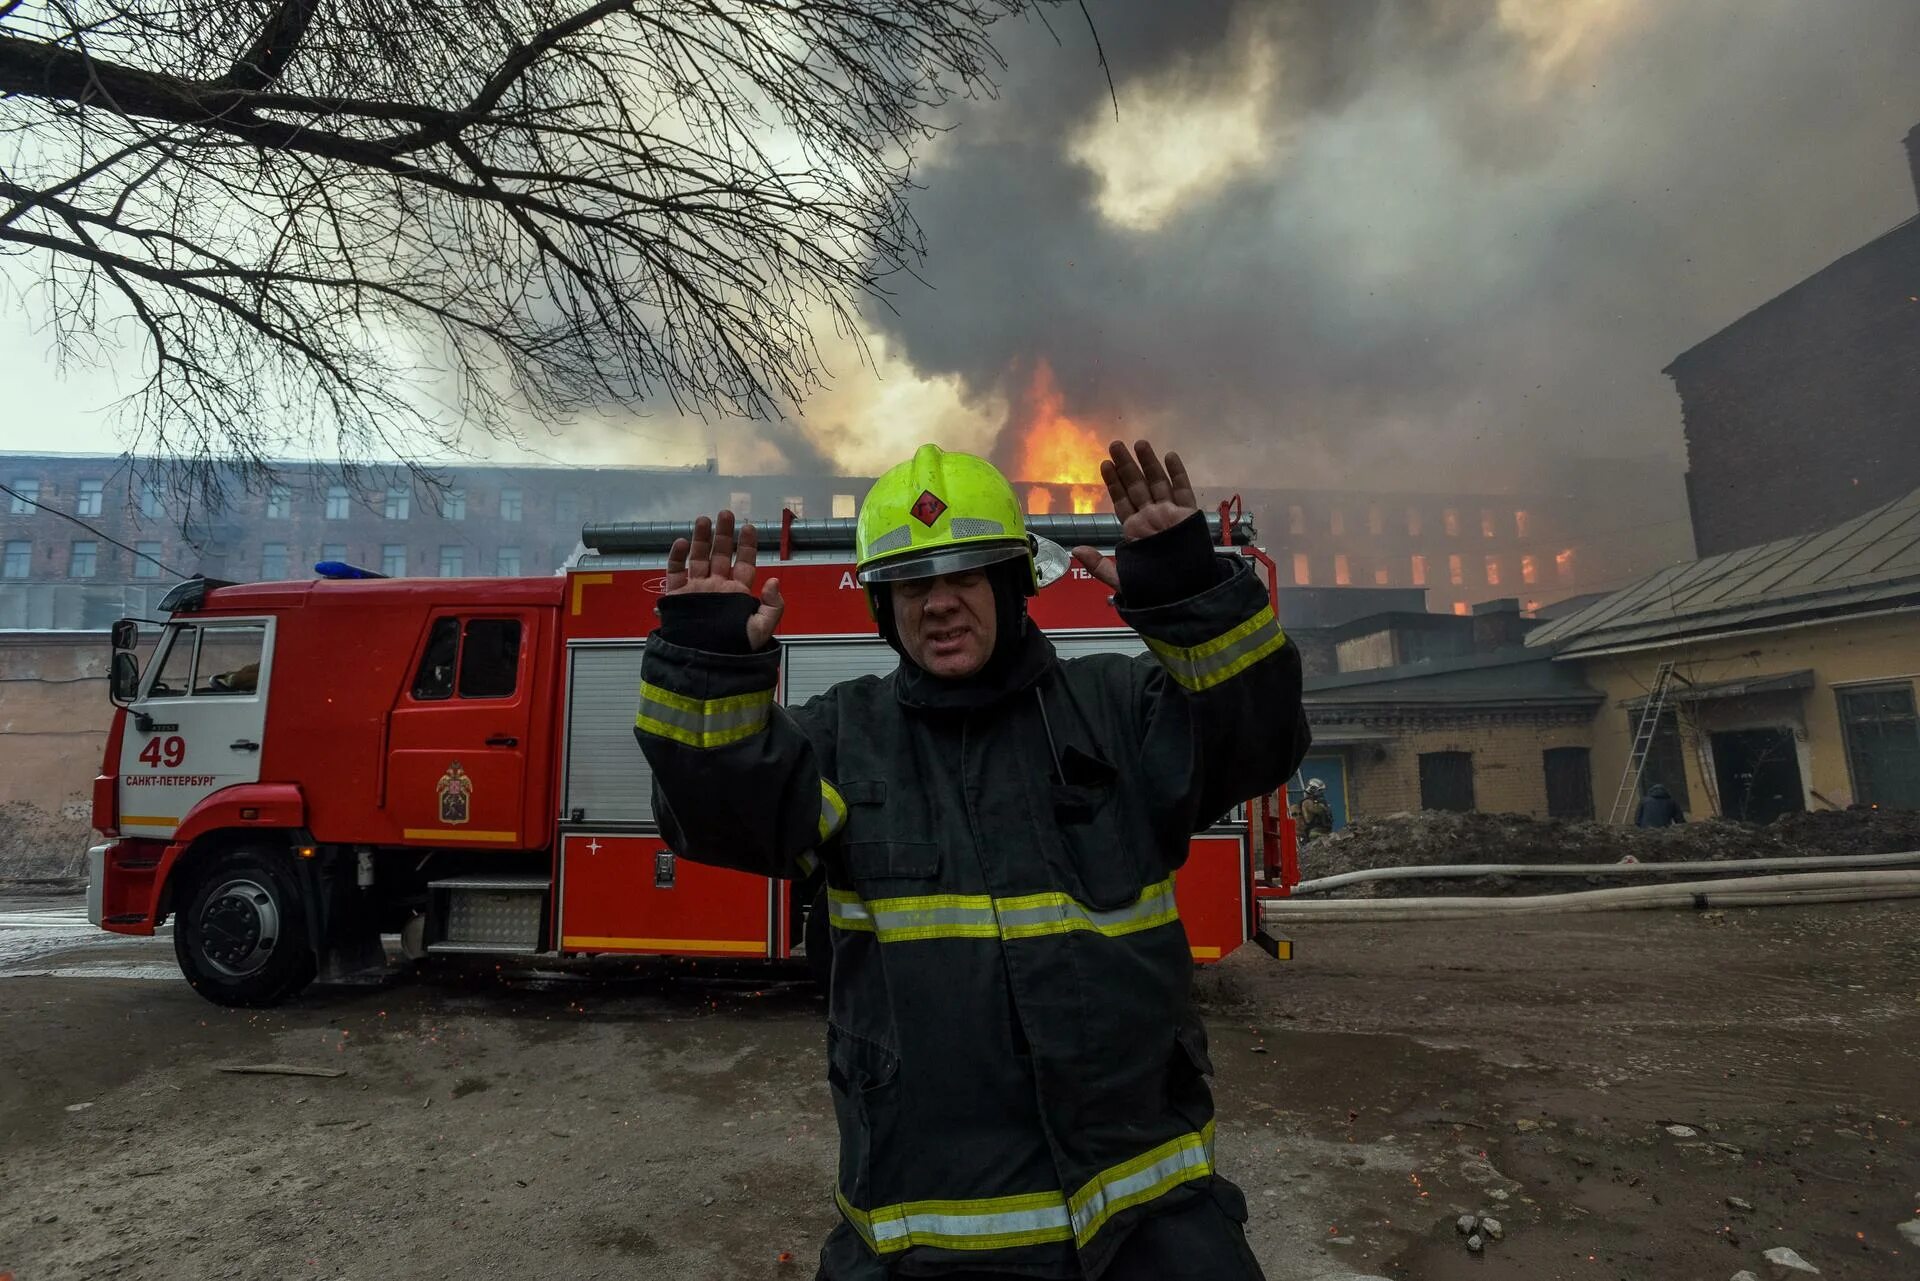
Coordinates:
[833,810]
[980,916]
[1147,1177]
[1203,666]
[710,722]
[998,1223]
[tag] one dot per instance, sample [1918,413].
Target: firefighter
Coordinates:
[1313,814]
[1017,1070]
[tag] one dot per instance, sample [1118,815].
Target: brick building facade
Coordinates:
[1806,411]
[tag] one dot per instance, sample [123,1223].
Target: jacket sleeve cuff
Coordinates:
[1214,635]
[1169,566]
[712,622]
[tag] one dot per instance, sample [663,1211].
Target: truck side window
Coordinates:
[173,675]
[230,659]
[434,679]
[490,658]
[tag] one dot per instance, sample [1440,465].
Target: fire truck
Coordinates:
[302,767]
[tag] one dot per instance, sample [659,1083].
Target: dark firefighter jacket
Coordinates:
[1016,1068]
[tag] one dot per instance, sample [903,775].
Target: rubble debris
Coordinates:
[1432,838]
[1910,1230]
[276,1069]
[1739,1203]
[1492,1229]
[1783,1257]
[1679,1131]
[1465,1224]
[1474,1244]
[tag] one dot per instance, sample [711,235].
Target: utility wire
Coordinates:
[19,497]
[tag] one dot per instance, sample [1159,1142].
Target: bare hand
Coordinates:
[710,562]
[1147,497]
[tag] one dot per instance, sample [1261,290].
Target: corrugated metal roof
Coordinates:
[1870,561]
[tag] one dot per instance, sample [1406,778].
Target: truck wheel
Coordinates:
[241,939]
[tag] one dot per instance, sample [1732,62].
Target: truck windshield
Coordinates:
[208,660]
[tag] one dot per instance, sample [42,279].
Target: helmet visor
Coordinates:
[941,560]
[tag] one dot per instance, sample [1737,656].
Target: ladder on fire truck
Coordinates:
[1643,736]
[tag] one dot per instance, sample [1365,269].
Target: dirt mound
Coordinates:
[1432,838]
[43,847]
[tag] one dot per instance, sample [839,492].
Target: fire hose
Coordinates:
[1630,871]
[1745,891]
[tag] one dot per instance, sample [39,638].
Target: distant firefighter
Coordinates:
[1659,809]
[1313,815]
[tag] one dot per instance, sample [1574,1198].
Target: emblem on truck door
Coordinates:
[456,790]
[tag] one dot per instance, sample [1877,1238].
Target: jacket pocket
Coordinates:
[1188,1067]
[882,841]
[1098,848]
[862,1076]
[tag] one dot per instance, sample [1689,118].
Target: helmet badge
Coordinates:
[927,508]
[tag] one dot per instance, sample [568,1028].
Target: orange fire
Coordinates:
[1056,449]
[1039,500]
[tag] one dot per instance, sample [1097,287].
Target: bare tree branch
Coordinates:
[361,228]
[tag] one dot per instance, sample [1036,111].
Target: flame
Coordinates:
[1039,500]
[1056,449]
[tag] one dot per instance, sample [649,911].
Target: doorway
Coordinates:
[1759,774]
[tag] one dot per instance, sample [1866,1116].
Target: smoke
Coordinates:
[1398,244]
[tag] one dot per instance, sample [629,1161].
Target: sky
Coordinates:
[1373,244]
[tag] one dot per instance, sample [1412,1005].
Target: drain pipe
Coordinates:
[1746,891]
[1627,871]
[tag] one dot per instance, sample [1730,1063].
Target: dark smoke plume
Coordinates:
[1459,237]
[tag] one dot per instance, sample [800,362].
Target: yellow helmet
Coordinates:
[939,513]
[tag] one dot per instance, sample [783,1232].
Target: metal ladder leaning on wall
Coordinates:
[1643,735]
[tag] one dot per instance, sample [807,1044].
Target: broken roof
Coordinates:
[1869,563]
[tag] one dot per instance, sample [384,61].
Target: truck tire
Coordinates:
[241,937]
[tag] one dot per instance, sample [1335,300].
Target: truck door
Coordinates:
[197,725]
[459,737]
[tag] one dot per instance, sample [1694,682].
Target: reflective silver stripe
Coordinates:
[930,916]
[993,1223]
[1203,666]
[808,863]
[833,810]
[697,722]
[892,540]
[1145,1178]
[1035,914]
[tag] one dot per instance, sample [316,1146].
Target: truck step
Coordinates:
[488,913]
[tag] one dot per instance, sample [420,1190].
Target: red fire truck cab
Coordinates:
[302,767]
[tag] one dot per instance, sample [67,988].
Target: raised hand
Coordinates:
[712,561]
[1147,497]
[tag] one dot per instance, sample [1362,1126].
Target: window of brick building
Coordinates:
[1450,521]
[1413,522]
[1382,577]
[339,502]
[845,507]
[453,561]
[1882,732]
[83,559]
[1487,527]
[1419,566]
[1529,569]
[566,511]
[1456,571]
[1302,570]
[1342,570]
[399,502]
[146,559]
[795,504]
[740,503]
[92,498]
[454,506]
[19,559]
[1376,520]
[26,492]
[149,499]
[1337,524]
[510,505]
[1296,519]
[1446,781]
[333,551]
[1493,571]
[509,561]
[273,561]
[279,503]
[1523,524]
[1569,782]
[393,560]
